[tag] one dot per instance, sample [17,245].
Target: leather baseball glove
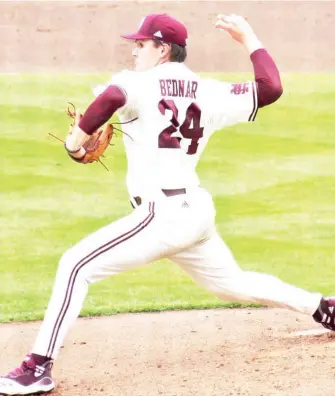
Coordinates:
[97,143]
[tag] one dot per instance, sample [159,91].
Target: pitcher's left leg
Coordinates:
[212,265]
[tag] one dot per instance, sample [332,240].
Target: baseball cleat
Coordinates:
[325,314]
[28,379]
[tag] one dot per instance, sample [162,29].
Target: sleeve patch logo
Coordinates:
[238,89]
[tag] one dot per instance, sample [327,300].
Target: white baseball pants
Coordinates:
[181,228]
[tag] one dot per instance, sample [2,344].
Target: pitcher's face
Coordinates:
[147,55]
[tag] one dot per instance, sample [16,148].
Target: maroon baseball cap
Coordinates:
[160,27]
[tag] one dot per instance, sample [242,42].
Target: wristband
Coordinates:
[71,151]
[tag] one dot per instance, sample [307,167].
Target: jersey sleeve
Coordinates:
[230,103]
[126,82]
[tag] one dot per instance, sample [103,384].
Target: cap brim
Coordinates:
[136,36]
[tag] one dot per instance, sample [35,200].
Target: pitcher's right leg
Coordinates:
[120,246]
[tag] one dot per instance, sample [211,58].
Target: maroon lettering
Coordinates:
[163,88]
[168,84]
[194,89]
[177,88]
[181,87]
[165,140]
[174,88]
[188,90]
[193,114]
[194,133]
[238,89]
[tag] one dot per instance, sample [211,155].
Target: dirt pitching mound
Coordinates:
[183,353]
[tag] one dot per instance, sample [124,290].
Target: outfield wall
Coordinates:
[84,36]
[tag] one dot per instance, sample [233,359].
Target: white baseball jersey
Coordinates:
[174,111]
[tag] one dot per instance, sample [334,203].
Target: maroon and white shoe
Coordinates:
[325,314]
[28,379]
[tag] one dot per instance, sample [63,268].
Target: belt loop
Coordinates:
[133,203]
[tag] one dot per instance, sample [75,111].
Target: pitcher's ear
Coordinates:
[165,48]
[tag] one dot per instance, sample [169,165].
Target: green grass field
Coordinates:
[272,181]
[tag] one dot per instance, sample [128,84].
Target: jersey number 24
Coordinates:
[193,113]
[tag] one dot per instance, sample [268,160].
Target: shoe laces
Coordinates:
[26,365]
[331,301]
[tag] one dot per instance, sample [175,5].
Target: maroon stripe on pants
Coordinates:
[97,252]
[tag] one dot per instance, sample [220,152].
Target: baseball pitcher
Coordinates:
[168,115]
